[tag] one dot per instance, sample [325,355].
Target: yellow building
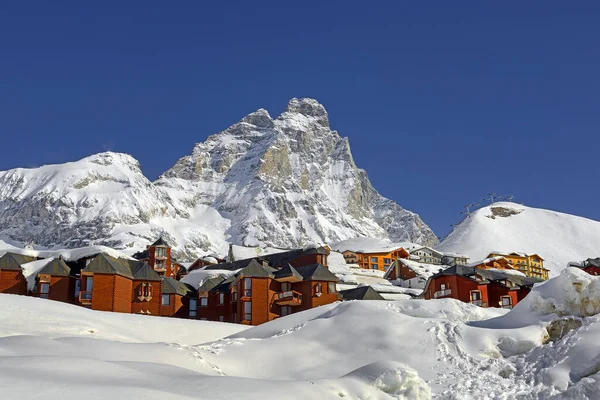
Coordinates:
[531,264]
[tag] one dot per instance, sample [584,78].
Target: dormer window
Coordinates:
[318,289]
[145,291]
[160,252]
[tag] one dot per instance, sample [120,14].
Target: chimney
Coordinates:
[230,257]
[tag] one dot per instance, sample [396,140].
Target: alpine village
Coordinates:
[256,290]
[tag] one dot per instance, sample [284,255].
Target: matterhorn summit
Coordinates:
[264,181]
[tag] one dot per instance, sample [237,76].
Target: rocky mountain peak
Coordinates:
[307,107]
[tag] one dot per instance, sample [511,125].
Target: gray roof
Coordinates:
[498,275]
[230,266]
[160,242]
[254,269]
[13,261]
[210,284]
[591,261]
[172,286]
[131,269]
[284,258]
[316,272]
[288,271]
[56,267]
[360,293]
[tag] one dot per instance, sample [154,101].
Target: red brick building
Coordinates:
[11,275]
[53,281]
[268,287]
[482,287]
[121,285]
[176,298]
[158,256]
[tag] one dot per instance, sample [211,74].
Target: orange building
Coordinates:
[380,260]
[53,281]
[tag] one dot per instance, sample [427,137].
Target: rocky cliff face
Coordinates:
[285,182]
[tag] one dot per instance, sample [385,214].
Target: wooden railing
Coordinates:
[85,297]
[290,297]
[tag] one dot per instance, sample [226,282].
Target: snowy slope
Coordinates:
[410,349]
[557,237]
[283,182]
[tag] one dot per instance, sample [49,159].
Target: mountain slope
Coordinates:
[557,237]
[283,182]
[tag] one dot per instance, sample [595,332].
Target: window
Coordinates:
[331,287]
[89,283]
[160,252]
[318,289]
[286,286]
[44,290]
[443,286]
[204,301]
[248,287]
[166,300]
[475,295]
[374,266]
[145,290]
[248,311]
[221,319]
[77,287]
[193,307]
[286,310]
[373,259]
[221,298]
[506,302]
[159,264]
[387,261]
[234,296]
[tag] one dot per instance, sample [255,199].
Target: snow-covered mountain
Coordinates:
[506,227]
[283,182]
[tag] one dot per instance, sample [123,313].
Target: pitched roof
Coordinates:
[141,255]
[288,271]
[172,286]
[13,261]
[360,293]
[427,248]
[56,267]
[131,269]
[230,266]
[284,258]
[256,270]
[210,283]
[160,242]
[316,272]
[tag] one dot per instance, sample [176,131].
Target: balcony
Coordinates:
[289,298]
[442,293]
[479,303]
[85,298]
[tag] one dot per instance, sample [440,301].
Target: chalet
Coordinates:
[479,286]
[591,266]
[50,279]
[12,279]
[453,259]
[426,255]
[411,274]
[258,292]
[176,298]
[497,262]
[360,293]
[531,264]
[203,262]
[158,256]
[297,257]
[121,285]
[379,259]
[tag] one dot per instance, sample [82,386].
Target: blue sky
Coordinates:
[443,101]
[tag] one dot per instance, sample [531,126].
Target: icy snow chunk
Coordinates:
[395,379]
[574,292]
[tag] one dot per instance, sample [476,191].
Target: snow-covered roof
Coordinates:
[485,261]
[422,270]
[427,248]
[197,277]
[369,245]
[30,270]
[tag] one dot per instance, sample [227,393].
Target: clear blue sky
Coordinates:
[443,101]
